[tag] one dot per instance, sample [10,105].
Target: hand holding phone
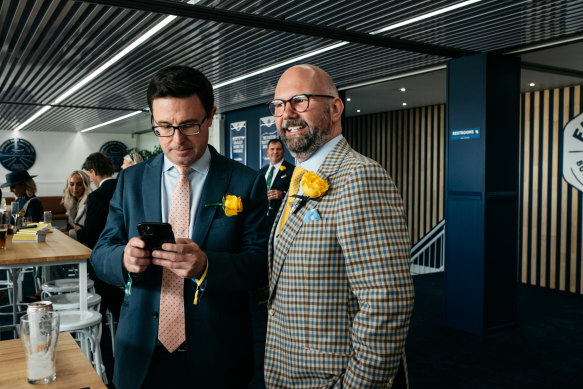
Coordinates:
[155,234]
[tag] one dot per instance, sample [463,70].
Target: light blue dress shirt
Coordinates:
[196,177]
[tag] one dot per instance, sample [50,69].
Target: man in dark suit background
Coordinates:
[277,175]
[221,261]
[100,170]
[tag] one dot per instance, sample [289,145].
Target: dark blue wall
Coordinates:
[251,116]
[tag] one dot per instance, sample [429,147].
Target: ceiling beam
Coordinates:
[167,7]
[72,106]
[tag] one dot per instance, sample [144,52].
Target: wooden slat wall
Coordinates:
[410,144]
[551,209]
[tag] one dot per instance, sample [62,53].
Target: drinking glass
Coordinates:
[48,217]
[39,332]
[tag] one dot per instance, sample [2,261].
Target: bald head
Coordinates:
[313,117]
[309,79]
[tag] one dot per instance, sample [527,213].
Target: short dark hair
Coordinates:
[100,163]
[181,81]
[273,141]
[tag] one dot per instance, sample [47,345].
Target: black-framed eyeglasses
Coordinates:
[186,129]
[299,103]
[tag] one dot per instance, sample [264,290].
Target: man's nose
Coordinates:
[289,111]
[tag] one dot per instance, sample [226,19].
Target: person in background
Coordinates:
[341,293]
[131,159]
[77,188]
[100,170]
[277,175]
[185,318]
[24,188]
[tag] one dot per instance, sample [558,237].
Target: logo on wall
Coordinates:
[573,152]
[115,151]
[17,154]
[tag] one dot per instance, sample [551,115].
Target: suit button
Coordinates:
[155,315]
[271,311]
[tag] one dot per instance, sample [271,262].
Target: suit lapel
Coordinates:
[215,187]
[152,178]
[278,255]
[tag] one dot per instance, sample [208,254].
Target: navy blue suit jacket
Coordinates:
[281,182]
[97,207]
[218,330]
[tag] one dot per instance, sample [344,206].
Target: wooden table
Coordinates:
[73,368]
[58,249]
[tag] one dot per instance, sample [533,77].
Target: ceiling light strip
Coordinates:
[425,16]
[170,18]
[112,121]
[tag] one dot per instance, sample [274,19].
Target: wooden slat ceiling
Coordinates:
[47,46]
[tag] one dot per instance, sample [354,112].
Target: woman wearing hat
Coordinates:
[24,189]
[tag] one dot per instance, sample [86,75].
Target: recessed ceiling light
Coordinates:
[531,84]
[348,99]
[402,89]
[404,104]
[358,110]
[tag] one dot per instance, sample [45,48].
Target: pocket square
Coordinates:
[311,215]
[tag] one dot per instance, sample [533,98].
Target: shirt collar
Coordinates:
[277,165]
[315,161]
[202,165]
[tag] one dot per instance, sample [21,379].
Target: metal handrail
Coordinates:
[428,255]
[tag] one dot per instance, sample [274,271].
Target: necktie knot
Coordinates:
[294,187]
[182,170]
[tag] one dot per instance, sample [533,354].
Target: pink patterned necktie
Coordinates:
[171,332]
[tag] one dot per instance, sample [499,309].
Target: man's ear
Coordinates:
[336,109]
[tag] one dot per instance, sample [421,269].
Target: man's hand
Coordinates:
[184,258]
[274,194]
[135,258]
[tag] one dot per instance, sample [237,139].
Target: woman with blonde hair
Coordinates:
[131,159]
[77,188]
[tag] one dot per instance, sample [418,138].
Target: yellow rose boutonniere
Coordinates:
[282,168]
[232,205]
[314,188]
[313,185]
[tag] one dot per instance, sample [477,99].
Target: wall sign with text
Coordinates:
[464,134]
[238,132]
[573,152]
[267,132]
[17,154]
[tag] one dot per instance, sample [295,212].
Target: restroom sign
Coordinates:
[573,152]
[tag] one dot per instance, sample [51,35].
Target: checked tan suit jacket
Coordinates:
[341,294]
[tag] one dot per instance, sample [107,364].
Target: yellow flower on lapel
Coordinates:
[314,186]
[282,168]
[232,205]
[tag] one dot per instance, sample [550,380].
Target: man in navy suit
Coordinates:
[277,175]
[222,260]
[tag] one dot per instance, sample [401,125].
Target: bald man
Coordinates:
[341,294]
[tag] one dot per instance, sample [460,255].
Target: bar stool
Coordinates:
[70,301]
[85,326]
[64,285]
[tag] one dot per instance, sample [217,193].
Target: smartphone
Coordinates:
[155,234]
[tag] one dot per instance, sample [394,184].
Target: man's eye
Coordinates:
[299,100]
[188,126]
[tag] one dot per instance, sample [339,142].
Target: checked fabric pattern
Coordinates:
[294,187]
[171,332]
[341,294]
